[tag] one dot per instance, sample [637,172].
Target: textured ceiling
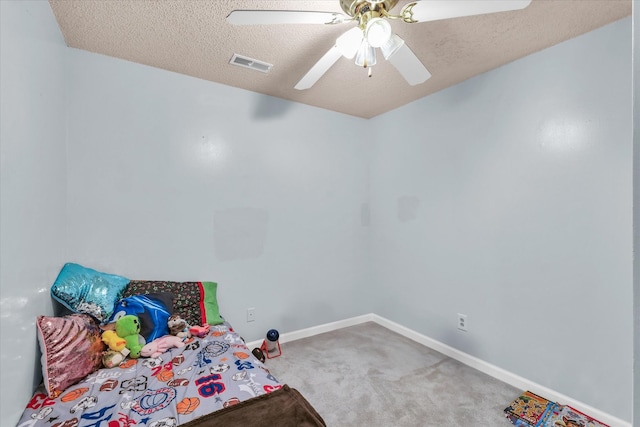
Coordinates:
[193,38]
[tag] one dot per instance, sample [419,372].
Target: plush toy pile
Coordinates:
[123,339]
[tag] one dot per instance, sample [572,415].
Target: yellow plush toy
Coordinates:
[111,339]
[117,349]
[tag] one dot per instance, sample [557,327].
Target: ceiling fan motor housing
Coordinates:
[354,7]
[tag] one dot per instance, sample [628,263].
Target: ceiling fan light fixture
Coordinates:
[366,56]
[373,31]
[378,32]
[391,46]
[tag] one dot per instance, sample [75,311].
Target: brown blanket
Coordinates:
[285,407]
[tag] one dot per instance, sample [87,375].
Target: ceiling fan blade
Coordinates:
[346,45]
[349,42]
[267,17]
[408,64]
[318,70]
[434,10]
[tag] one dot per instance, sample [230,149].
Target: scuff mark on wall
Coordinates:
[408,208]
[239,233]
[365,214]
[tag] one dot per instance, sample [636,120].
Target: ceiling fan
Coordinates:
[373,30]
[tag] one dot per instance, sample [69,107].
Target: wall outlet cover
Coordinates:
[462,322]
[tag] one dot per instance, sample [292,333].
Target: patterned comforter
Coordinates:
[179,386]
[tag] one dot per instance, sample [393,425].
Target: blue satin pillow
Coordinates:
[84,290]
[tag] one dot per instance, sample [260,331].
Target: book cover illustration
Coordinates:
[527,410]
[566,416]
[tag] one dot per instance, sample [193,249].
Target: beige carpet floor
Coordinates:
[367,375]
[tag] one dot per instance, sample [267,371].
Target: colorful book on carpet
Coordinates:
[566,416]
[528,410]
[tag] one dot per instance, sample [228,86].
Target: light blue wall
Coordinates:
[174,178]
[32,185]
[508,198]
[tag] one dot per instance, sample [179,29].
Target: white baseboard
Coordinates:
[315,330]
[482,366]
[499,373]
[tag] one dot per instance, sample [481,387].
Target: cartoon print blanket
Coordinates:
[181,385]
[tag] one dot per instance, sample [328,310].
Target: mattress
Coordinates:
[181,386]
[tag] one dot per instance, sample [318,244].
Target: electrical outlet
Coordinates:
[251,314]
[462,322]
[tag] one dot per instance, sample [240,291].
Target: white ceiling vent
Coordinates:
[247,62]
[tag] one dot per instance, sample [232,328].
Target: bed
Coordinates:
[213,379]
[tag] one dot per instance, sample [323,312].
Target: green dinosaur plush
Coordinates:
[128,327]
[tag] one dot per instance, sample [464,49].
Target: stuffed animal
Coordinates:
[200,331]
[112,358]
[128,327]
[178,326]
[117,348]
[111,339]
[158,346]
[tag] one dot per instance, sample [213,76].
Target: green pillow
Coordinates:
[210,303]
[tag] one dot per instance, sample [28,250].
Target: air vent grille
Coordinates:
[254,64]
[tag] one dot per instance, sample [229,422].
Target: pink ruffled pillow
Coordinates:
[71,349]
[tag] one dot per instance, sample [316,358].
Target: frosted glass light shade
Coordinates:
[378,31]
[366,56]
